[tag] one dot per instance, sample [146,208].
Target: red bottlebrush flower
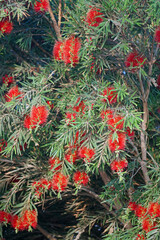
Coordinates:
[132,206]
[158,82]
[117,144]
[148,225]
[13,93]
[94,17]
[39,115]
[59,182]
[80,107]
[50,104]
[70,117]
[107,114]
[58,50]
[134,60]
[6,26]
[5,217]
[53,162]
[81,178]
[28,123]
[41,6]
[157,35]
[116,122]
[28,219]
[3,145]
[86,153]
[71,49]
[154,209]
[118,166]
[71,157]
[130,133]
[110,95]
[40,186]
[140,237]
[140,211]
[22,148]
[7,80]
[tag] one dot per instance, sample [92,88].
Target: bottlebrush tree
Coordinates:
[79,118]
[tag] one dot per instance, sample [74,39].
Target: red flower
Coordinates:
[140,211]
[107,114]
[132,206]
[80,107]
[110,95]
[134,60]
[28,219]
[80,178]
[116,122]
[28,123]
[41,6]
[71,49]
[119,166]
[148,225]
[3,145]
[6,26]
[154,209]
[50,104]
[7,80]
[117,144]
[55,163]
[140,237]
[86,153]
[71,157]
[71,117]
[13,93]
[5,217]
[59,182]
[130,133]
[157,35]
[58,50]
[39,114]
[158,82]
[93,17]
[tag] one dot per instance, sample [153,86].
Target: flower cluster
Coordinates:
[3,145]
[134,60]
[41,6]
[77,111]
[38,116]
[59,182]
[110,95]
[13,93]
[55,163]
[6,26]
[157,35]
[81,178]
[67,51]
[7,80]
[40,186]
[24,222]
[86,153]
[147,216]
[94,17]
[119,165]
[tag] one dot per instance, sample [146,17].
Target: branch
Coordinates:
[45,233]
[56,27]
[60,13]
[41,48]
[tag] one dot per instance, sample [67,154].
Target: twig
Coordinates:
[60,13]
[41,48]
[45,233]
[56,27]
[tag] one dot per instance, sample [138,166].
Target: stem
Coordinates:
[39,46]
[60,13]
[56,27]
[45,233]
